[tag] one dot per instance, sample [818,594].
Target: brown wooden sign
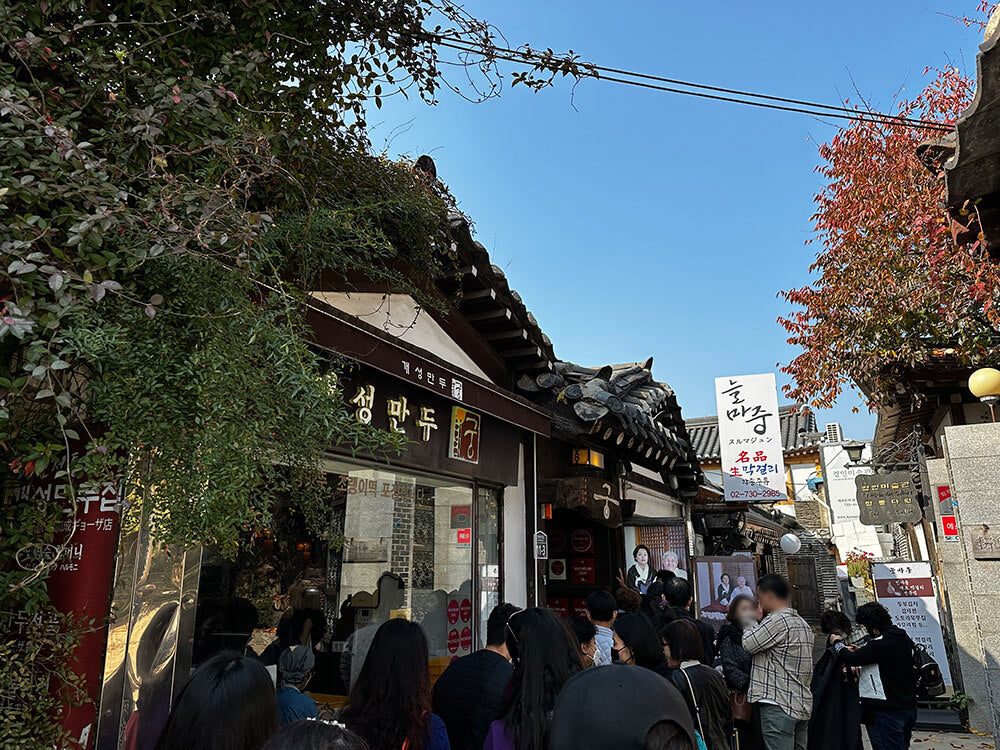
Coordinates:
[887,498]
[596,497]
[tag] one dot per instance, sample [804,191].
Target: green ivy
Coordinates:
[174,179]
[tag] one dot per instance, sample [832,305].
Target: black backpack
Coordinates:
[930,681]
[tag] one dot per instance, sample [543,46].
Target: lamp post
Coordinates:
[985,385]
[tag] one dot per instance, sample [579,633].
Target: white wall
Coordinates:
[399,316]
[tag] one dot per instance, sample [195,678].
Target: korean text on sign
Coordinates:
[753,467]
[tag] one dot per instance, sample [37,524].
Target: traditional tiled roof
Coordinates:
[798,432]
[495,310]
[621,408]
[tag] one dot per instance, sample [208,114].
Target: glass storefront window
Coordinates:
[400,544]
[407,553]
[488,556]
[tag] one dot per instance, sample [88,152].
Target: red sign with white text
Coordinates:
[949,525]
[80,584]
[904,587]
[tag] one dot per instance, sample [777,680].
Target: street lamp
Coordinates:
[856,449]
[985,385]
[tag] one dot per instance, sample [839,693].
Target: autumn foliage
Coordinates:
[893,288]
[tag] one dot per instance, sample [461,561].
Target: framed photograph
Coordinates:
[719,580]
[650,549]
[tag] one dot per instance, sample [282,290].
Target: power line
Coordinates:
[700,90]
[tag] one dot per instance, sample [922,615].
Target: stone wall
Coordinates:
[972,587]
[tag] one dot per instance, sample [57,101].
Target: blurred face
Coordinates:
[741,581]
[669,561]
[769,602]
[620,651]
[642,557]
[746,610]
[725,578]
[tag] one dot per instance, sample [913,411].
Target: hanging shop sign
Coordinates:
[887,498]
[753,468]
[838,481]
[465,427]
[591,495]
[906,590]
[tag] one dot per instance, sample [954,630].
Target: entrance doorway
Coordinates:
[805,587]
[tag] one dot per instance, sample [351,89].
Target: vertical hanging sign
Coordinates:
[753,468]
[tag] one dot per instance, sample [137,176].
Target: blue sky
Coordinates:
[647,224]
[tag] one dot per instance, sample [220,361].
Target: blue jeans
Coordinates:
[891,730]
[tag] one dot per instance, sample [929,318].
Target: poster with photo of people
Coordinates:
[650,549]
[719,580]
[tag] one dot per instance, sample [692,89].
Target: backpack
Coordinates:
[930,681]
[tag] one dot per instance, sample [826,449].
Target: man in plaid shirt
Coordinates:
[782,647]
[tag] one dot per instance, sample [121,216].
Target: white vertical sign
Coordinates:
[906,590]
[753,468]
[838,478]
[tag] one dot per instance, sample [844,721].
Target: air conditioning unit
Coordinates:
[834,434]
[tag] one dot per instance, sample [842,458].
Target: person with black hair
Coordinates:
[308,734]
[622,708]
[703,688]
[835,723]
[782,648]
[390,703]
[887,674]
[545,657]
[654,606]
[637,643]
[585,633]
[469,693]
[736,663]
[679,596]
[228,703]
[602,609]
[642,573]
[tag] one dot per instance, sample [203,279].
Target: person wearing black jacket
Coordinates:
[679,597]
[836,718]
[736,662]
[469,694]
[702,688]
[888,661]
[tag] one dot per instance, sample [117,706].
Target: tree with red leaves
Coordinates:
[894,289]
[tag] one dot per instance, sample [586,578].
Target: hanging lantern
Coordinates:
[790,544]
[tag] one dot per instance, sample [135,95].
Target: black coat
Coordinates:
[893,653]
[468,697]
[735,660]
[836,716]
[714,707]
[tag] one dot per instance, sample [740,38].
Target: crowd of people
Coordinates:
[648,677]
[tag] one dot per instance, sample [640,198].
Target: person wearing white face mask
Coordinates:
[586,636]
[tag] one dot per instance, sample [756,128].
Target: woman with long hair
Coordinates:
[736,662]
[702,688]
[636,643]
[390,704]
[545,656]
[227,704]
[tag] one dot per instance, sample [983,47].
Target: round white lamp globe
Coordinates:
[790,544]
